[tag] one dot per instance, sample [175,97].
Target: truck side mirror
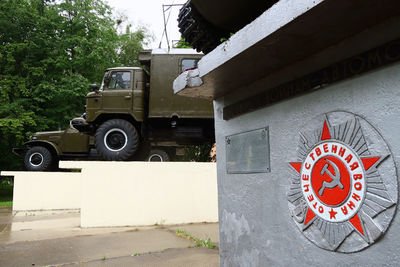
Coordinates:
[95,88]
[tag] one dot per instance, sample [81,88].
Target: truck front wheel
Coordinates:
[38,158]
[116,140]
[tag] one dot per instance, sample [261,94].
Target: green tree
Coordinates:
[182,44]
[51,52]
[131,43]
[199,153]
[88,41]
[21,22]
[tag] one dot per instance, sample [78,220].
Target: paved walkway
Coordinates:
[55,239]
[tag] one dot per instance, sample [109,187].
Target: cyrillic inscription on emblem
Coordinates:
[338,185]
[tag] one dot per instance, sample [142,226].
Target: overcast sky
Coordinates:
[149,13]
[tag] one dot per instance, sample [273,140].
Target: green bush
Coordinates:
[6,192]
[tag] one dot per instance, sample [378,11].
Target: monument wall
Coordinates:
[282,215]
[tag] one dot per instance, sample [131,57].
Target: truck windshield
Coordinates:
[120,80]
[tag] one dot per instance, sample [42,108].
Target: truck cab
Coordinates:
[122,92]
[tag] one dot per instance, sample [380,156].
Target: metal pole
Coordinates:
[165,23]
[165,27]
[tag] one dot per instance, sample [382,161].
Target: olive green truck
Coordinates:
[134,115]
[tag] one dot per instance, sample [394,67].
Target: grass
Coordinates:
[198,242]
[6,194]
[140,254]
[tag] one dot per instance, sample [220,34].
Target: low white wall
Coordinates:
[123,193]
[45,190]
[146,193]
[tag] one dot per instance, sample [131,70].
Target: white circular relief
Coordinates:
[344,181]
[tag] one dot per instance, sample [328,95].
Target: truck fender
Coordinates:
[44,143]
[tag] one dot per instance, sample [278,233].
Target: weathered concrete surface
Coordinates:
[41,240]
[291,39]
[188,78]
[5,219]
[255,223]
[193,257]
[87,248]
[199,230]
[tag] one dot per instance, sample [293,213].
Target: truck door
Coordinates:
[117,95]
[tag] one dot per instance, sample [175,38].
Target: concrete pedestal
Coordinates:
[122,193]
[256,223]
[325,92]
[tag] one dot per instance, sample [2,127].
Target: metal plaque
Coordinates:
[248,152]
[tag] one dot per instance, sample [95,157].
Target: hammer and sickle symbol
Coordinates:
[335,177]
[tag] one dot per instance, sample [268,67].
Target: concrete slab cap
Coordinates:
[289,32]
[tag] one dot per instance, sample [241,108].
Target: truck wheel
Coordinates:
[116,140]
[198,32]
[38,158]
[158,155]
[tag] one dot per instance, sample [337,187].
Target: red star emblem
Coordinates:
[332,213]
[367,163]
[336,185]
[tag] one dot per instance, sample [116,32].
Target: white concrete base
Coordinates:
[147,193]
[123,193]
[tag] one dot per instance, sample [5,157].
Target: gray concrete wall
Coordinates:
[256,228]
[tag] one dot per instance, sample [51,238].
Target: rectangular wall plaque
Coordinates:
[248,152]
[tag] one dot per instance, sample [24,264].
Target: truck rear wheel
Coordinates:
[116,140]
[158,155]
[198,32]
[38,158]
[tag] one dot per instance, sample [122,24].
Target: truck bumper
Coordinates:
[19,151]
[81,125]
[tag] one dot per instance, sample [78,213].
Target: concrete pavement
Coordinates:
[55,239]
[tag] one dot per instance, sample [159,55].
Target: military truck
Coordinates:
[134,114]
[203,23]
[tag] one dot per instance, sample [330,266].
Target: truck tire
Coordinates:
[198,32]
[158,155]
[38,158]
[116,139]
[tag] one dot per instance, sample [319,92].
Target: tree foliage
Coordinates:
[182,44]
[131,44]
[199,153]
[50,52]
